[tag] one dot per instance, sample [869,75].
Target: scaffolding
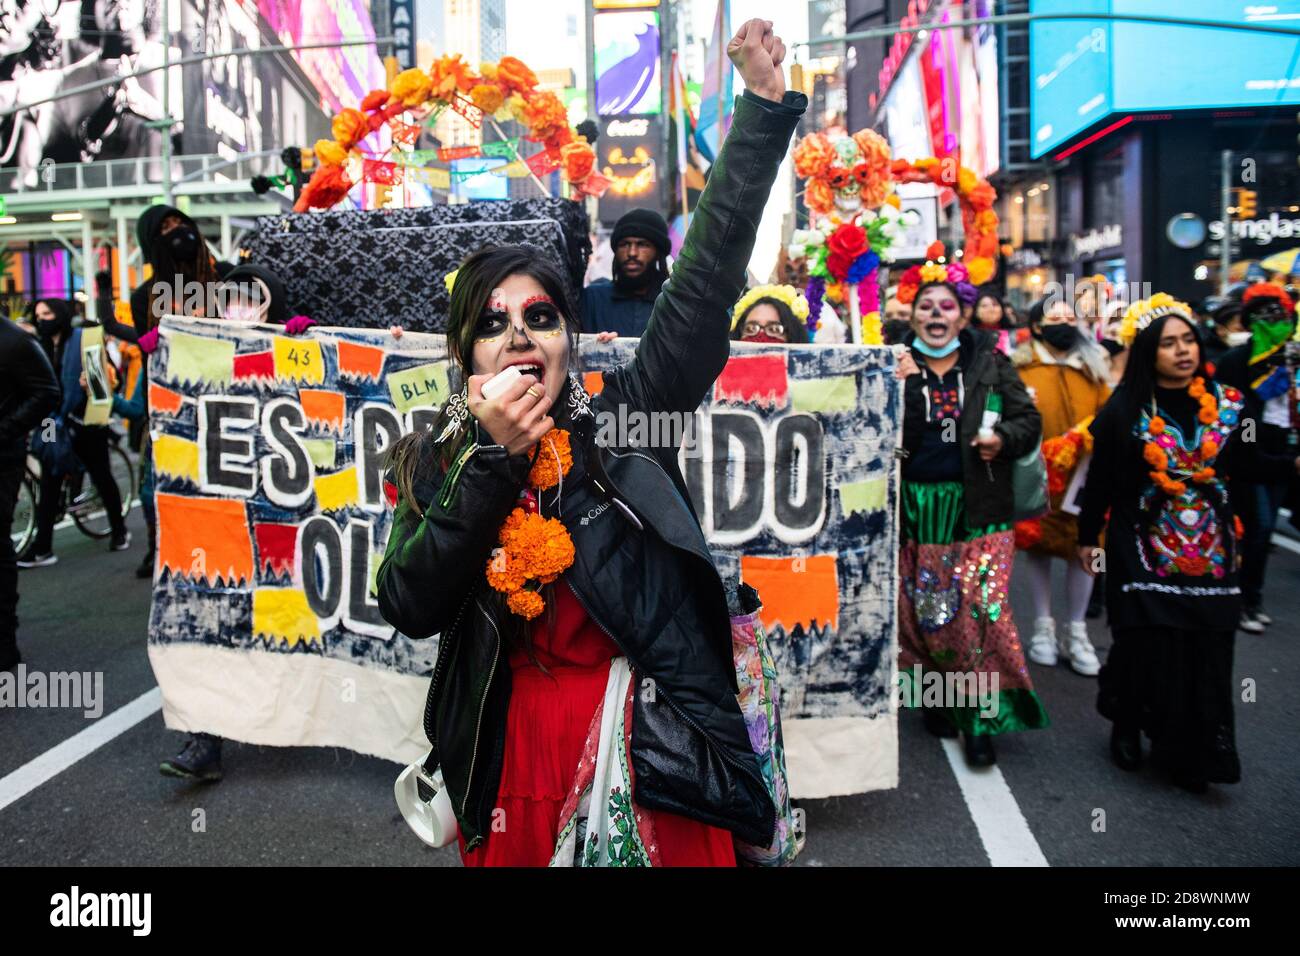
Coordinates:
[109,196]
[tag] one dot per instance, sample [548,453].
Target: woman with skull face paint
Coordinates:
[955,520]
[563,566]
[1264,370]
[1067,376]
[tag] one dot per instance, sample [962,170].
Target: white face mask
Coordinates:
[1238,338]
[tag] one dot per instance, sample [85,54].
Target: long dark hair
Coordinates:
[53,336]
[1139,382]
[796,333]
[478,275]
[990,292]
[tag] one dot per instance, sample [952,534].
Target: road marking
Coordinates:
[1003,830]
[59,758]
[1283,541]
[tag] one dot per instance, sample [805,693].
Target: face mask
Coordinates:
[245,312]
[1238,338]
[764,337]
[1060,337]
[182,243]
[942,351]
[1268,334]
[895,330]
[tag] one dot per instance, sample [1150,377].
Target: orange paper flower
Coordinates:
[349,128]
[450,75]
[545,115]
[1156,426]
[515,76]
[327,187]
[578,159]
[813,156]
[818,197]
[377,99]
[487,97]
[412,87]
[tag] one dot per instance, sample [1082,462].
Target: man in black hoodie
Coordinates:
[29,392]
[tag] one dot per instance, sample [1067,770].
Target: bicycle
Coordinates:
[80,504]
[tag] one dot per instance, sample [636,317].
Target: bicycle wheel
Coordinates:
[87,510]
[24,527]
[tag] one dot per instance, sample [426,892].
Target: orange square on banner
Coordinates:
[360,360]
[204,539]
[593,382]
[164,399]
[800,590]
[323,408]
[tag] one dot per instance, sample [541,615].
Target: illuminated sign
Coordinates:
[636,127]
[1085,70]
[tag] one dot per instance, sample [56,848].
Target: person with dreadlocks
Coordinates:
[623,305]
[1264,370]
[1163,445]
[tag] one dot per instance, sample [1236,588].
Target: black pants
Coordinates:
[11,479]
[90,442]
[1177,686]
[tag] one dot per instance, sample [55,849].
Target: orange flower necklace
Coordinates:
[534,550]
[1160,449]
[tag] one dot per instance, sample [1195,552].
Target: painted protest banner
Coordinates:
[272,519]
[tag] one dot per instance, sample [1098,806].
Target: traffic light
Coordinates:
[1246,204]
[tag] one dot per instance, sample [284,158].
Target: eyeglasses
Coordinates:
[753,328]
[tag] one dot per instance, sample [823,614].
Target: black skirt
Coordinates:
[1175,684]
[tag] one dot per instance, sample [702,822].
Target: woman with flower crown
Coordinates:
[583,707]
[966,419]
[777,314]
[1162,447]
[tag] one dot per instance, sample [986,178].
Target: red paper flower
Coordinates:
[848,240]
[838,265]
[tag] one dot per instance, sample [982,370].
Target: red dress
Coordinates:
[546,729]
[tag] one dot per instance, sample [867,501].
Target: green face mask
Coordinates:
[1267,336]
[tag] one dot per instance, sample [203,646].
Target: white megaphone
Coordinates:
[425,804]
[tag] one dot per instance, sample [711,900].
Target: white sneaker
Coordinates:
[1250,624]
[1259,615]
[1083,657]
[1042,645]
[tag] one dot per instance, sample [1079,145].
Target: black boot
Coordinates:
[199,759]
[1126,746]
[145,569]
[979,750]
[937,722]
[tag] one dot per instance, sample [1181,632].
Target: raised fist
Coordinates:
[758,54]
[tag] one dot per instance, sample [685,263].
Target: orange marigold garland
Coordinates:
[507,89]
[1162,451]
[533,550]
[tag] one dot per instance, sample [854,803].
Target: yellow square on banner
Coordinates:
[439,178]
[337,490]
[866,495]
[298,360]
[176,457]
[420,387]
[838,393]
[196,358]
[283,614]
[321,451]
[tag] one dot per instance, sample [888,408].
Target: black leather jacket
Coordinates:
[29,390]
[645,575]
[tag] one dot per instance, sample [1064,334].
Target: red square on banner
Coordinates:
[378,171]
[594,185]
[462,105]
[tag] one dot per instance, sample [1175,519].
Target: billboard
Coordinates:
[52,47]
[630,154]
[342,75]
[1085,70]
[628,76]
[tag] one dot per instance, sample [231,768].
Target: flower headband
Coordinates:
[1145,311]
[792,298]
[909,284]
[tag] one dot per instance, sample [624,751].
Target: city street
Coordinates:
[1041,805]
